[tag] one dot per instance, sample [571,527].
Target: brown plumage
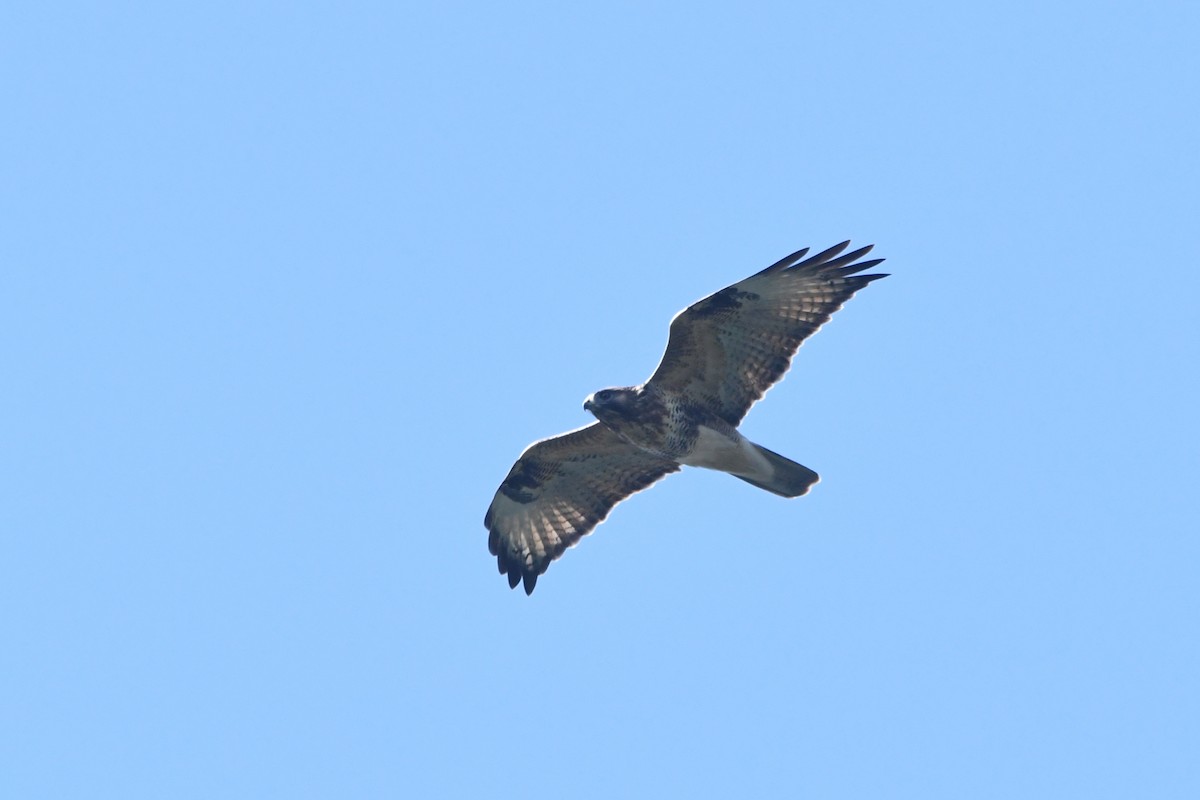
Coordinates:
[723,353]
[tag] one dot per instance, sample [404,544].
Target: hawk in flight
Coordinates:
[723,353]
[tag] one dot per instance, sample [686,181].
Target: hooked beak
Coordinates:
[588,404]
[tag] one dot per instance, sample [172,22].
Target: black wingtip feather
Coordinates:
[863,280]
[825,260]
[825,255]
[784,262]
[513,572]
[850,269]
[845,260]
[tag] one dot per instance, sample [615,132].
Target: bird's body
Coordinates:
[664,423]
[724,352]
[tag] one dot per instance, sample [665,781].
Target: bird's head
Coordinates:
[610,403]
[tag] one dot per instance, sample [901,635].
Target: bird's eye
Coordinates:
[604,395]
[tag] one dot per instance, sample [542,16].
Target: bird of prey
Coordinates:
[722,355]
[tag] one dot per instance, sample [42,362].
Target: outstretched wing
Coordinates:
[558,491]
[726,350]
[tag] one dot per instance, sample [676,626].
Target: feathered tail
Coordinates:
[789,479]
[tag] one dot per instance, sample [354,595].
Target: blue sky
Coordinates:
[286,288]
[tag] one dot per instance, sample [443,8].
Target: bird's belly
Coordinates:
[720,451]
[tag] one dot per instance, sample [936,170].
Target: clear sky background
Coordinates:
[285,288]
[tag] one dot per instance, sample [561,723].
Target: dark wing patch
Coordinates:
[724,302]
[726,350]
[557,492]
